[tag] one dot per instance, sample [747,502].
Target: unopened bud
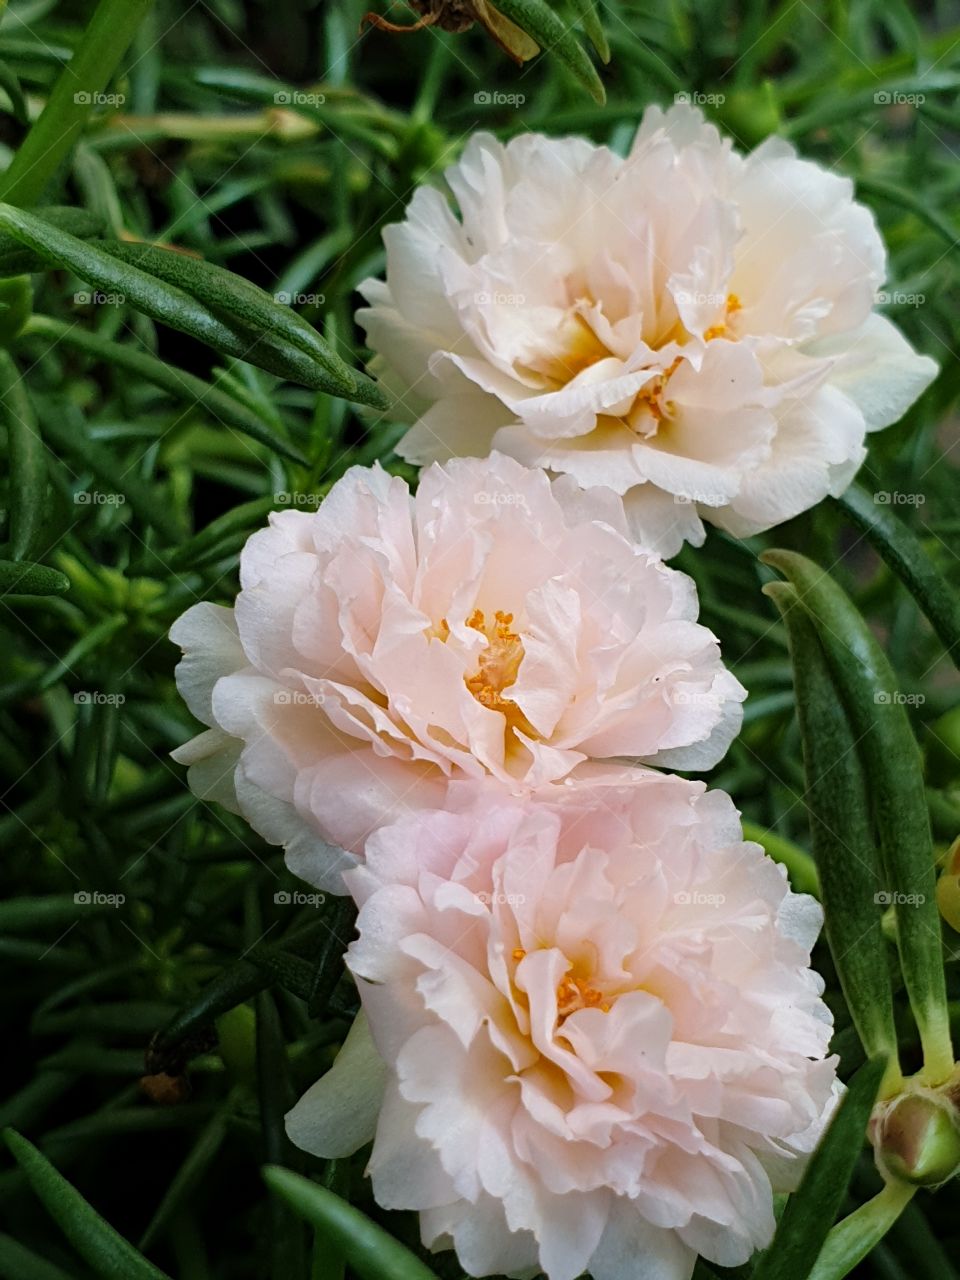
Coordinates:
[916,1137]
[948,887]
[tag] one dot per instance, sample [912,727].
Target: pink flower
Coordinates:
[589,1032]
[494,625]
[688,326]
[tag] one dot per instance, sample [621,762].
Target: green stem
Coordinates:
[88,72]
[852,1239]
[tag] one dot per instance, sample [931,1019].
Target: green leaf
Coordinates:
[16,260]
[187,1177]
[593,28]
[176,382]
[369,1250]
[10,83]
[894,771]
[172,306]
[243,305]
[541,21]
[852,1239]
[21,578]
[843,844]
[28,467]
[110,1255]
[904,554]
[817,1201]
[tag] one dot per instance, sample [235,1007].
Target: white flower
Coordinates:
[688,326]
[494,625]
[590,1040]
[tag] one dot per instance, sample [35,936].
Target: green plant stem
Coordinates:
[52,137]
[852,1239]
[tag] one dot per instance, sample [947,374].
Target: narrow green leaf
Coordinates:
[843,843]
[187,1177]
[593,27]
[369,1250]
[238,522]
[106,37]
[28,468]
[111,1256]
[21,578]
[894,771]
[16,260]
[541,21]
[904,554]
[852,1239]
[813,1207]
[172,306]
[180,385]
[10,83]
[242,304]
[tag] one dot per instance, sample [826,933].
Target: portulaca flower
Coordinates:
[688,326]
[494,625]
[590,1038]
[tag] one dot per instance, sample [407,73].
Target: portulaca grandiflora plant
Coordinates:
[547,880]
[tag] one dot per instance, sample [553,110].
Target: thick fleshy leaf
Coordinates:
[843,844]
[110,1255]
[370,1251]
[852,1239]
[893,767]
[816,1202]
[171,304]
[541,21]
[28,468]
[20,578]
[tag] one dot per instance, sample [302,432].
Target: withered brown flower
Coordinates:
[458,16]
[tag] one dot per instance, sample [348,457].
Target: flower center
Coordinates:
[576,993]
[498,667]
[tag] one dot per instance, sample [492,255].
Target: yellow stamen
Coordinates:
[574,994]
[498,667]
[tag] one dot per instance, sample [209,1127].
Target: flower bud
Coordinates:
[948,887]
[916,1137]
